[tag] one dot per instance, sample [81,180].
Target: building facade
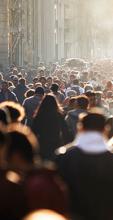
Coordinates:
[51,30]
[31,31]
[3,34]
[19,31]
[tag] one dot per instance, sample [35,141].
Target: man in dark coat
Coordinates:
[81,106]
[30,104]
[87,167]
[6,94]
[20,90]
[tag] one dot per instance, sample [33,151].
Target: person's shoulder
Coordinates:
[72,112]
[66,150]
[29,99]
[12,93]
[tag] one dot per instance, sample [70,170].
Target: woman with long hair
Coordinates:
[50,127]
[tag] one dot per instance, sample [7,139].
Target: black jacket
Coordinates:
[72,119]
[52,132]
[20,91]
[8,96]
[90,180]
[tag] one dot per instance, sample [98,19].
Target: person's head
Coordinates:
[98,88]
[35,80]
[15,80]
[98,96]
[49,105]
[109,94]
[92,98]
[30,85]
[22,147]
[72,77]
[23,71]
[54,88]
[44,214]
[92,122]
[76,82]
[71,93]
[15,71]
[82,102]
[19,75]
[109,85]
[15,110]
[42,80]
[63,85]
[39,91]
[29,93]
[4,86]
[22,81]
[88,88]
[72,103]
[49,81]
[76,89]
[41,72]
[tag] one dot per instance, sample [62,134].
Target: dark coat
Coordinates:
[72,119]
[20,91]
[44,192]
[90,180]
[30,104]
[12,198]
[9,96]
[52,132]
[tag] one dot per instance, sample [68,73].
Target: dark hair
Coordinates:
[49,77]
[93,122]
[76,89]
[19,75]
[29,93]
[35,79]
[90,94]
[22,141]
[76,82]
[42,78]
[109,94]
[82,101]
[39,90]
[88,88]
[54,87]
[4,116]
[98,88]
[98,94]
[49,105]
[22,81]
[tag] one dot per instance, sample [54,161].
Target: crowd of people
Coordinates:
[56,145]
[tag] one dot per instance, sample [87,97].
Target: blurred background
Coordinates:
[33,31]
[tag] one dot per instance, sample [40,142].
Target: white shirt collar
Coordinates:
[91,142]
